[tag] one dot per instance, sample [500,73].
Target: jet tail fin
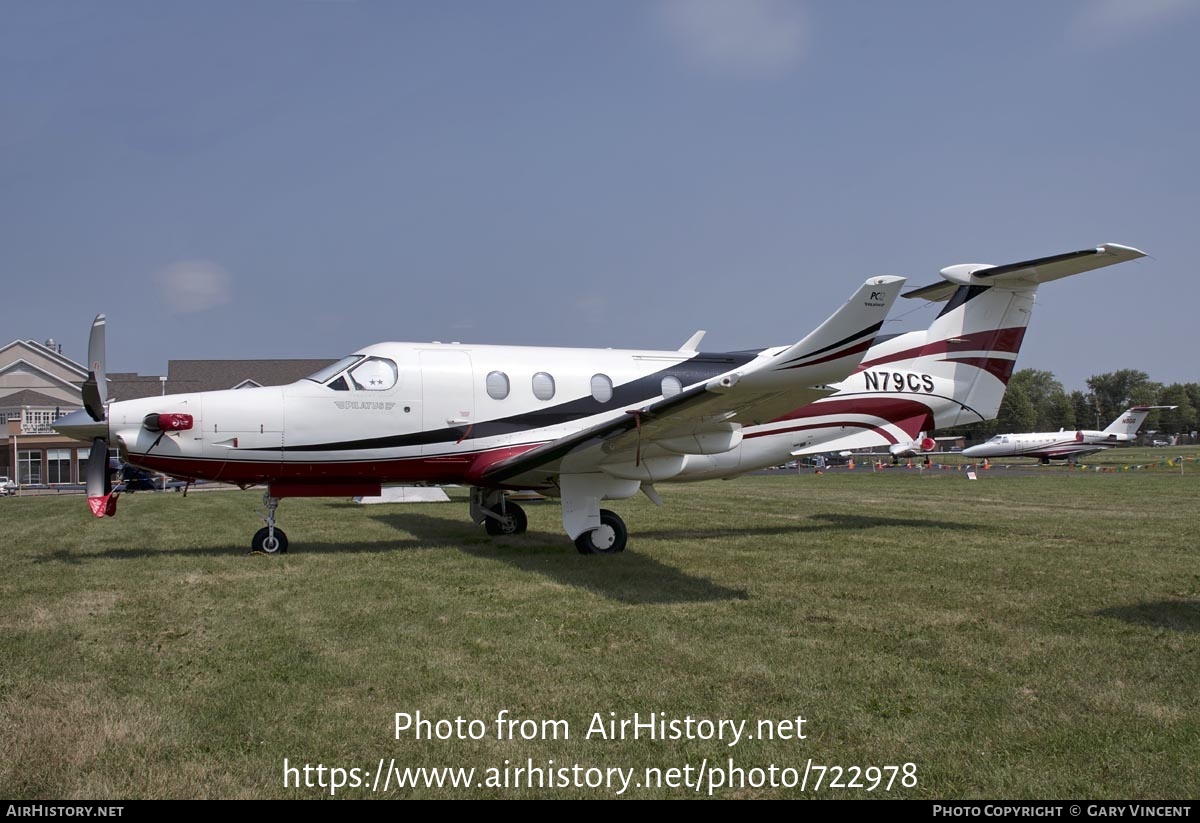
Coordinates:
[1126,426]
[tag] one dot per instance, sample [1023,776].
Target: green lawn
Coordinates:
[1020,637]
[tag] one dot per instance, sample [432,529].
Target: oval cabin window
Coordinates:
[497,385]
[543,386]
[602,388]
[671,386]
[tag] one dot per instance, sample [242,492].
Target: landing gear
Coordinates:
[264,542]
[498,515]
[509,518]
[269,539]
[610,538]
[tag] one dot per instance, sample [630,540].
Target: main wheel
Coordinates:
[511,521]
[261,543]
[610,538]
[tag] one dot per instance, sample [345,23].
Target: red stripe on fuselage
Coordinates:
[1003,340]
[446,468]
[912,417]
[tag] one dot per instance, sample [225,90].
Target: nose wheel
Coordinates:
[269,539]
[269,543]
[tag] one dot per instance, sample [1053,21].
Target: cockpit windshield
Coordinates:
[333,368]
[362,372]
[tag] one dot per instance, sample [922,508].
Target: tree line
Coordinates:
[1036,402]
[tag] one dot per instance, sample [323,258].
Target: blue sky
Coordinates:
[288,179]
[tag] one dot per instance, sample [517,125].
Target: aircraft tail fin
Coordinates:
[1126,426]
[970,350]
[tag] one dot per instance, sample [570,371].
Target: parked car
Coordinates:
[7,487]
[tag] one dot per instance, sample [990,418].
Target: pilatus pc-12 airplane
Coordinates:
[1065,445]
[584,425]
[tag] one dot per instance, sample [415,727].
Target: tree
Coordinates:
[1181,420]
[1084,407]
[1116,391]
[1044,394]
[1016,412]
[1061,412]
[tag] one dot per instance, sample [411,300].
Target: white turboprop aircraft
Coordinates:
[581,424]
[1059,445]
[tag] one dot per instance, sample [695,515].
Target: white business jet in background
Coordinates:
[1065,445]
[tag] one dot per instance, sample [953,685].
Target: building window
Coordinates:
[671,386]
[29,468]
[497,385]
[543,386]
[37,422]
[602,389]
[58,465]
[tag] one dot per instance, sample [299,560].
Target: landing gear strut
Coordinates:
[610,538]
[498,515]
[269,539]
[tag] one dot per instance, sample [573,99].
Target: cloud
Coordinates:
[190,286]
[749,36]
[1110,20]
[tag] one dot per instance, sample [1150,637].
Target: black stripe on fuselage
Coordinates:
[870,330]
[700,368]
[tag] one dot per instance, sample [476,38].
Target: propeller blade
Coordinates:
[99,484]
[95,388]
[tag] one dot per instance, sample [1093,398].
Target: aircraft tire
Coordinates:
[515,523]
[259,543]
[610,538]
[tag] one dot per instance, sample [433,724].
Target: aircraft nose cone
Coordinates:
[79,425]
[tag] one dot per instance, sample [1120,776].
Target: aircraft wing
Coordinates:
[707,418]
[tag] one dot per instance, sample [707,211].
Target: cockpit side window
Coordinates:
[374,374]
[340,384]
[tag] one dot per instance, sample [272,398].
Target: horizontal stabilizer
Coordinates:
[1026,272]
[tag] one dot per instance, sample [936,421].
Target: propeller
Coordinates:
[101,499]
[95,388]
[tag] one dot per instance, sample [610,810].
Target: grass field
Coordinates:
[1017,637]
